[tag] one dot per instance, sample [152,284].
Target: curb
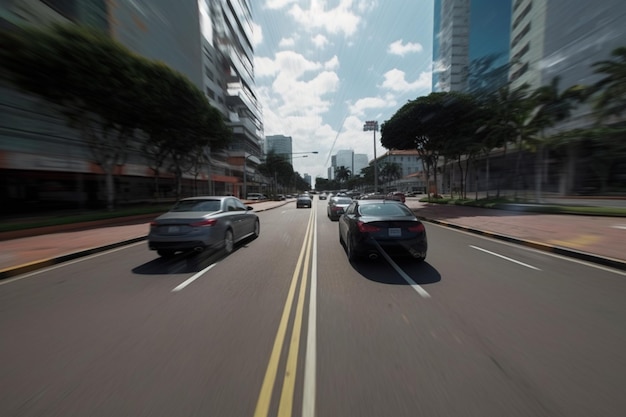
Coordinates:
[571,253]
[44,263]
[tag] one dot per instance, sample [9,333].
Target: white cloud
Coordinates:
[319,41]
[395,80]
[278,4]
[264,67]
[332,64]
[340,19]
[287,42]
[257,34]
[362,105]
[398,48]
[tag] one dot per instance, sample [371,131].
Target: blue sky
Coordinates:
[323,68]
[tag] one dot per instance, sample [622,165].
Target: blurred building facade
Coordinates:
[471,44]
[280,145]
[533,43]
[46,163]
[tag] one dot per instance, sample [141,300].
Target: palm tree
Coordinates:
[391,171]
[551,106]
[342,174]
[611,100]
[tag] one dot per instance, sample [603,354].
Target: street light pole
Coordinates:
[373,125]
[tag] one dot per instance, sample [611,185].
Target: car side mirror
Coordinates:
[248,208]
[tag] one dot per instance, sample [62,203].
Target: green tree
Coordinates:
[90,77]
[550,106]
[390,171]
[342,174]
[425,124]
[611,97]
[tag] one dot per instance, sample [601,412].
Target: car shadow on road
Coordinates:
[186,263]
[422,273]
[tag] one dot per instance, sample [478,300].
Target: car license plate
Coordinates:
[395,232]
[173,229]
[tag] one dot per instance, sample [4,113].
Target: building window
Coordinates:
[519,72]
[521,53]
[522,15]
[210,93]
[520,35]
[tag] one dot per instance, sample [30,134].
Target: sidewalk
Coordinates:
[596,239]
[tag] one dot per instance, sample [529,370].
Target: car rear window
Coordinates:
[384,210]
[344,200]
[197,205]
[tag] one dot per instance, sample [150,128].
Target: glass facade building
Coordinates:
[471,44]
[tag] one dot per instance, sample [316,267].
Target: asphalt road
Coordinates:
[287,326]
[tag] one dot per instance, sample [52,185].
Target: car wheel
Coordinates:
[419,260]
[229,242]
[257,228]
[341,237]
[165,253]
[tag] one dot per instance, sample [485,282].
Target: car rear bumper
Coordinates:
[398,248]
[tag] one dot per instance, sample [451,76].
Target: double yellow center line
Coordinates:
[285,406]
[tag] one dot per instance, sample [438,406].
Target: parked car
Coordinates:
[396,195]
[256,196]
[199,223]
[368,225]
[336,207]
[304,200]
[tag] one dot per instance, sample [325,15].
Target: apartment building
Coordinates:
[208,41]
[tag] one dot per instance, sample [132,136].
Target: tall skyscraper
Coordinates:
[280,145]
[471,50]
[561,38]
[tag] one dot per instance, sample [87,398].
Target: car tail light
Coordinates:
[204,223]
[419,228]
[367,228]
[335,208]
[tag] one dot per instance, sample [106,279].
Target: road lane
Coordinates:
[495,338]
[107,336]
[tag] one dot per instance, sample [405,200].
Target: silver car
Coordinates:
[199,223]
[336,206]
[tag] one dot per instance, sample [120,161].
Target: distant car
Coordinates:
[368,225]
[397,195]
[280,197]
[199,223]
[256,196]
[323,196]
[304,201]
[336,207]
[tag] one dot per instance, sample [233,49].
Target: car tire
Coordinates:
[229,242]
[164,253]
[257,229]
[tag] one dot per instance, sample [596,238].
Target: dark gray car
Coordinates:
[199,223]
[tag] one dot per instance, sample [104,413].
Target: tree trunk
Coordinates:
[539,173]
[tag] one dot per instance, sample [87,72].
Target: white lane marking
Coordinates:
[308,396]
[421,291]
[193,278]
[537,251]
[64,264]
[619,226]
[504,257]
